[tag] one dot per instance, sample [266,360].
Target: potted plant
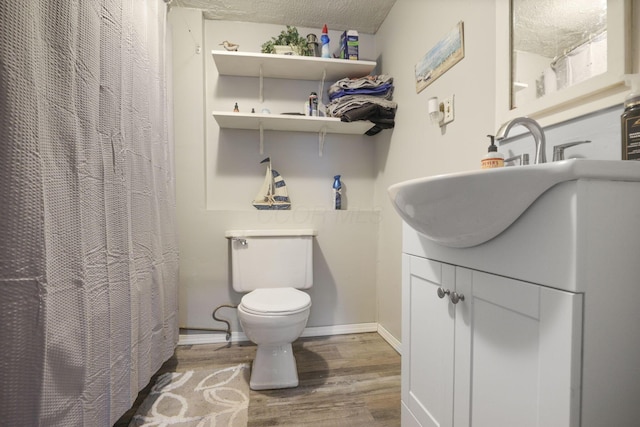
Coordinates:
[291,40]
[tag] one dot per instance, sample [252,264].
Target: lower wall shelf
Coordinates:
[284,122]
[290,123]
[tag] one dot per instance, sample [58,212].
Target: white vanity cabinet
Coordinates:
[428,326]
[547,333]
[507,354]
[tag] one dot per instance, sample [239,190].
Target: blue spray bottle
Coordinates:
[337,193]
[324,38]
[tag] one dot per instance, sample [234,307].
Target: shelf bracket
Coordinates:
[321,89]
[261,139]
[261,87]
[321,135]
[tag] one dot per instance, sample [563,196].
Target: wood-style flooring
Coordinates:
[345,380]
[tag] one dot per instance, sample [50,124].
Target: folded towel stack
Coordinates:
[365,98]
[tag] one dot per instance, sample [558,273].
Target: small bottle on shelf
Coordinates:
[337,193]
[324,38]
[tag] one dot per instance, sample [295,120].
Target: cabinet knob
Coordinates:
[456,297]
[442,292]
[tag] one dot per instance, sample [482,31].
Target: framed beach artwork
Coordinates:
[445,54]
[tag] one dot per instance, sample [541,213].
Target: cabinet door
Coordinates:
[427,337]
[518,353]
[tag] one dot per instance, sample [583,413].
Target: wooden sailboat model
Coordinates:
[273,194]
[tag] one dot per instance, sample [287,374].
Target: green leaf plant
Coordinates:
[290,37]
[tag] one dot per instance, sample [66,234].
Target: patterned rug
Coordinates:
[197,398]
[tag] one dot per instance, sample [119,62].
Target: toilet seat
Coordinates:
[275,301]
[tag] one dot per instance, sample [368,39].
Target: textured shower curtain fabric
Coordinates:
[88,250]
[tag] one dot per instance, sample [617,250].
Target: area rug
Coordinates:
[197,399]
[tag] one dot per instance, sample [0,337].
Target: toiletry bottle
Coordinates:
[630,120]
[324,38]
[337,193]
[493,159]
[312,42]
[313,104]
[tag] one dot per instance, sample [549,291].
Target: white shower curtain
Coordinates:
[88,250]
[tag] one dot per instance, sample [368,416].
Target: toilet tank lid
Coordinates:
[271,232]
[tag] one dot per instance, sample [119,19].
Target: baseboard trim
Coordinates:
[393,342]
[210,338]
[358,328]
[317,331]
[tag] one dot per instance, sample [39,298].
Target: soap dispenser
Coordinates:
[493,159]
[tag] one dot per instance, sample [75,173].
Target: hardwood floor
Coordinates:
[345,380]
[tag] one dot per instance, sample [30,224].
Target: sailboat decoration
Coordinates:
[273,194]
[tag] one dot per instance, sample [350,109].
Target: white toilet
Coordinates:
[271,265]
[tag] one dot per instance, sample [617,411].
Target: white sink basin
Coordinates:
[466,209]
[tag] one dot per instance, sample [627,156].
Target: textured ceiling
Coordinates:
[545,27]
[548,27]
[365,16]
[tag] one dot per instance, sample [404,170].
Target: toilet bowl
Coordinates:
[270,266]
[273,319]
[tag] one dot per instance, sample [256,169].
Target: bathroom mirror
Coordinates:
[558,59]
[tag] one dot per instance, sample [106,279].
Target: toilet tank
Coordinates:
[271,259]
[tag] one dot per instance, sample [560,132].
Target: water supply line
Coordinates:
[228,330]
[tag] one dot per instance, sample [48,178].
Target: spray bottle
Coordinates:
[630,119]
[337,193]
[324,38]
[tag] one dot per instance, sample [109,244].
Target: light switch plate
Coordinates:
[448,110]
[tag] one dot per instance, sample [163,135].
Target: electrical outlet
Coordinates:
[448,110]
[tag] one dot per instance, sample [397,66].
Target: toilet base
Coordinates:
[274,367]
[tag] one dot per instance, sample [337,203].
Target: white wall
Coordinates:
[416,147]
[218,175]
[358,270]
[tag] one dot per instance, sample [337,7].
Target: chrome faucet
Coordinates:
[558,150]
[522,158]
[533,127]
